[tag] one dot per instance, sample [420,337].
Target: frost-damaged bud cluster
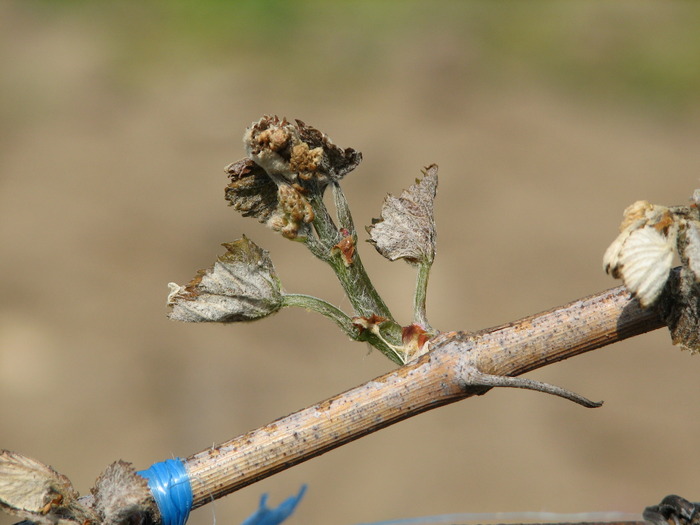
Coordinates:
[406,228]
[287,163]
[281,183]
[642,256]
[37,493]
[241,286]
[295,151]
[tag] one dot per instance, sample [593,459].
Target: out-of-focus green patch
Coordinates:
[636,52]
[639,53]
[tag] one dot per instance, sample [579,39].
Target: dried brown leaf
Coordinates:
[251,191]
[282,206]
[336,162]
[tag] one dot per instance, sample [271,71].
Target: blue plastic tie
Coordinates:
[267,516]
[170,486]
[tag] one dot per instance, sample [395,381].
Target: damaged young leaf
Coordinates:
[406,228]
[241,286]
[251,191]
[642,255]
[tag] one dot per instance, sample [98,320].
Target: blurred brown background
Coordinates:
[547,120]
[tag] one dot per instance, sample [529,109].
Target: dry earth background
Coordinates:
[547,120]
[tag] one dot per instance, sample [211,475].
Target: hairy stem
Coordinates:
[345,323]
[358,287]
[353,278]
[324,308]
[420,297]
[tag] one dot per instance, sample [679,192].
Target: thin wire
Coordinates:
[520,518]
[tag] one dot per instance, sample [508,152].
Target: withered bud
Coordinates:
[637,211]
[414,338]
[293,212]
[406,228]
[346,249]
[305,161]
[241,286]
[296,151]
[371,323]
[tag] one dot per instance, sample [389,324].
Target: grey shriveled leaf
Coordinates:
[241,286]
[31,489]
[122,497]
[406,228]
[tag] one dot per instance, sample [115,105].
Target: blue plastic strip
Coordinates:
[267,516]
[170,486]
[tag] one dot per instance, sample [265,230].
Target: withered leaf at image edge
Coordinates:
[679,308]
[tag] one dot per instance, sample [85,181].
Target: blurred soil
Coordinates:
[116,124]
